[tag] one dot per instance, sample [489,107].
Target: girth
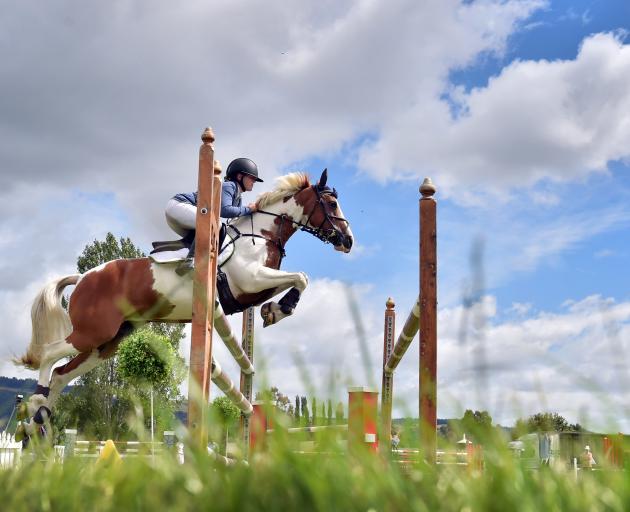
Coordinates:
[229,304]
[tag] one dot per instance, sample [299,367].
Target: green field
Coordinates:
[280,479]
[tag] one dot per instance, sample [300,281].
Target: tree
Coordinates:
[476,425]
[227,414]
[330,413]
[339,414]
[476,419]
[297,410]
[275,397]
[314,405]
[305,413]
[545,422]
[148,361]
[102,400]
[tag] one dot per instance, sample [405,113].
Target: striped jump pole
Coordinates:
[392,355]
[314,429]
[409,331]
[247,378]
[387,387]
[225,384]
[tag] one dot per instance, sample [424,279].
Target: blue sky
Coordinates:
[518,110]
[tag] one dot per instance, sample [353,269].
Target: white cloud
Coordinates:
[535,121]
[520,309]
[110,99]
[550,360]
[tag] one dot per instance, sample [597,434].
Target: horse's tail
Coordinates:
[49,319]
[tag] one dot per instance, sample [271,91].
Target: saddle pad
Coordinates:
[161,258]
[227,250]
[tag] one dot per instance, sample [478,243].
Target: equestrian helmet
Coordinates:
[244,166]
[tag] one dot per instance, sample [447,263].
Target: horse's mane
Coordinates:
[287,185]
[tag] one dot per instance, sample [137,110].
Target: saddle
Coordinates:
[226,250]
[174,245]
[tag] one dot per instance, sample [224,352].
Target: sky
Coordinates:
[519,111]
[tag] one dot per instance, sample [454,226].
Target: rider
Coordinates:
[181,210]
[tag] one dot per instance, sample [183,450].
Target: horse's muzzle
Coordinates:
[342,242]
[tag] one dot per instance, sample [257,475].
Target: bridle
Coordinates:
[330,235]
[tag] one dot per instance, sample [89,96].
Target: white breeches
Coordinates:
[181,217]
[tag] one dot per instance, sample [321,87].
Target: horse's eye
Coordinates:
[333,205]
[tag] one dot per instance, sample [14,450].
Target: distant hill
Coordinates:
[9,387]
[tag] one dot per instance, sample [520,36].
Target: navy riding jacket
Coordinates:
[230,200]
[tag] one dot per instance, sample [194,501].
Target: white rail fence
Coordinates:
[10,450]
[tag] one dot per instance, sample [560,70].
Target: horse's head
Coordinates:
[324,217]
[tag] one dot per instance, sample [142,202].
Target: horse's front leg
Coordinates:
[272,312]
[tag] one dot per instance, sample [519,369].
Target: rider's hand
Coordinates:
[252,207]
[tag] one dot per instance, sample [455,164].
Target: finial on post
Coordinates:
[390,304]
[207,136]
[427,189]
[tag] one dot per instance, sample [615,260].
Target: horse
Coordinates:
[111,300]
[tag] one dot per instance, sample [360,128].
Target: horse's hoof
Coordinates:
[22,411]
[268,316]
[269,319]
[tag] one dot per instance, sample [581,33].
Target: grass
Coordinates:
[280,479]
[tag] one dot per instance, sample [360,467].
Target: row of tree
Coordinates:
[320,413]
[478,425]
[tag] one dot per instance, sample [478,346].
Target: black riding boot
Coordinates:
[188,263]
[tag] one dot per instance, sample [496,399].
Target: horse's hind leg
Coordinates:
[84,362]
[38,406]
[77,366]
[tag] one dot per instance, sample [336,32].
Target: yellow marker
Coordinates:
[109,453]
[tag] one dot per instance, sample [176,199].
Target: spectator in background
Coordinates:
[588,461]
[395,440]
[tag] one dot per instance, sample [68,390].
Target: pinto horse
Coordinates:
[109,301]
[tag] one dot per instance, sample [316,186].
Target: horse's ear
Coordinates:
[323,179]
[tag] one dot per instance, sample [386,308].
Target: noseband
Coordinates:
[333,234]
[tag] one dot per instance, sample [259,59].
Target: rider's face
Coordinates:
[248,182]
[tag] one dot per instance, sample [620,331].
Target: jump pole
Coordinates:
[428,321]
[204,289]
[387,386]
[247,378]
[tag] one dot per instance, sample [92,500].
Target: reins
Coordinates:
[325,235]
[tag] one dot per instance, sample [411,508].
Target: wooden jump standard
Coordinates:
[207,313]
[204,289]
[424,315]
